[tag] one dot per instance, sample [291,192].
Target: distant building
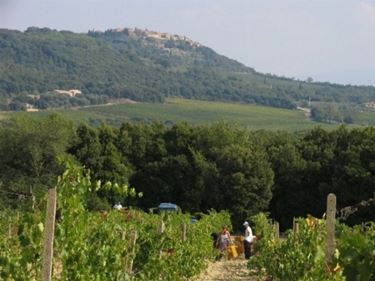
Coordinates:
[34,97]
[370,105]
[162,36]
[70,93]
[30,108]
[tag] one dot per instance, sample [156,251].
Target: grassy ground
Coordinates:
[365,118]
[194,112]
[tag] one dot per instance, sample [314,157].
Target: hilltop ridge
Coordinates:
[141,65]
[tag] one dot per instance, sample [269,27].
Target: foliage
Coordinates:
[301,254]
[326,112]
[262,228]
[122,64]
[204,167]
[21,247]
[309,167]
[357,252]
[31,151]
[98,245]
[332,113]
[218,166]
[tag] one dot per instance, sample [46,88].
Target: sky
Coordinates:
[328,40]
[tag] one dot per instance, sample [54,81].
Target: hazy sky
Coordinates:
[329,40]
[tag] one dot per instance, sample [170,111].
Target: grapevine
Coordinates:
[301,255]
[98,245]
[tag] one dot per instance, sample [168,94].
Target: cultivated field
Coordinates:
[192,111]
[365,118]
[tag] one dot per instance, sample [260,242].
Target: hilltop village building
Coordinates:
[370,105]
[145,33]
[70,93]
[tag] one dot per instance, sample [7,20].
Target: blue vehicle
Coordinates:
[167,208]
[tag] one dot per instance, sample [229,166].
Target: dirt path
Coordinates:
[227,270]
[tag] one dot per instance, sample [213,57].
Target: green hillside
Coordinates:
[141,65]
[176,110]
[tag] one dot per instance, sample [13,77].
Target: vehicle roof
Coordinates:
[167,206]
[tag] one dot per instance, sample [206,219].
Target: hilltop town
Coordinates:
[149,34]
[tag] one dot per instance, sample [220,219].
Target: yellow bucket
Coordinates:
[232,251]
[238,241]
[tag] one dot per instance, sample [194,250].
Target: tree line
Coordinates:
[218,166]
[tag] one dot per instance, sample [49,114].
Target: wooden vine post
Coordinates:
[295,226]
[49,233]
[331,220]
[161,229]
[183,234]
[133,241]
[277,230]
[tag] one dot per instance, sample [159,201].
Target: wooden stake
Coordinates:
[296,230]
[294,225]
[331,220]
[161,227]
[183,236]
[277,230]
[133,241]
[49,233]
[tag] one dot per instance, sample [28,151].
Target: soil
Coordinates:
[227,270]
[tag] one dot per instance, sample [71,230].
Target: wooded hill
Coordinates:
[140,65]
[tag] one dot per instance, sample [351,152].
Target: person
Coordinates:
[117,206]
[224,239]
[248,240]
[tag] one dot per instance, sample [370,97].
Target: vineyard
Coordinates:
[113,245]
[301,254]
[133,245]
[176,110]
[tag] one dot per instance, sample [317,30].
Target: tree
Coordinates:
[31,151]
[244,182]
[87,147]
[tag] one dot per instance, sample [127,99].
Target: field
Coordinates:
[192,111]
[365,118]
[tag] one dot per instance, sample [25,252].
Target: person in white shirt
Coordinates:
[248,239]
[117,206]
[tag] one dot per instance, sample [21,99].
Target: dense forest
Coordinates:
[218,166]
[143,66]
